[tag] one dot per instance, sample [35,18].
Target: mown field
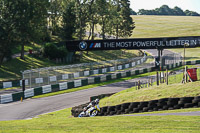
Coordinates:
[62,122]
[165,26]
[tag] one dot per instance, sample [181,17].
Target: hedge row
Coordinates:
[146,106]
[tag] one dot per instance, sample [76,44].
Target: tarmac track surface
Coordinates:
[32,107]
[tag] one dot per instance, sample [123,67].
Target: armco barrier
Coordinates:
[76,83]
[145,106]
[6,98]
[17,83]
[53,79]
[29,93]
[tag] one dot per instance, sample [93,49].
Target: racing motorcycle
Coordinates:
[91,112]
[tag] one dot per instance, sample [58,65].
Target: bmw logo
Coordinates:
[83,45]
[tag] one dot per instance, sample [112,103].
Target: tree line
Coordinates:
[166,10]
[23,22]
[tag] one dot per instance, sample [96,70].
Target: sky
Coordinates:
[192,5]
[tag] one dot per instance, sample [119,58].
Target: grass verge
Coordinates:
[61,121]
[153,93]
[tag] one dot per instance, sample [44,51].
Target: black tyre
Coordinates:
[161,104]
[178,106]
[155,109]
[118,107]
[119,112]
[142,105]
[173,100]
[104,109]
[188,105]
[153,103]
[145,109]
[163,100]
[111,108]
[133,105]
[172,103]
[197,98]
[100,114]
[127,111]
[196,101]
[112,113]
[125,105]
[165,107]
[135,110]
[186,100]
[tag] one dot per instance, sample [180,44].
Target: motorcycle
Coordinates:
[91,112]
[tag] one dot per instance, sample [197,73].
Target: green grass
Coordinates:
[109,55]
[11,70]
[190,53]
[61,121]
[32,46]
[153,93]
[148,26]
[165,26]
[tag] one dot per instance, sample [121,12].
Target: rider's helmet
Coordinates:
[97,101]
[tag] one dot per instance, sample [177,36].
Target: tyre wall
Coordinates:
[145,106]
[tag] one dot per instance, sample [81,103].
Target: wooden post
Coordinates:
[157,76]
[160,77]
[138,84]
[163,74]
[186,76]
[167,77]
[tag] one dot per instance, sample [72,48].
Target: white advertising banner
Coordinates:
[86,73]
[7,84]
[96,71]
[46,89]
[29,93]
[119,67]
[77,83]
[63,86]
[65,76]
[52,78]
[39,80]
[90,80]
[76,75]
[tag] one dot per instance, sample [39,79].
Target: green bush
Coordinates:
[52,51]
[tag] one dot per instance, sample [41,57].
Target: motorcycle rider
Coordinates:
[93,108]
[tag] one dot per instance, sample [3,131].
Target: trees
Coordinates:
[22,21]
[68,21]
[7,32]
[133,12]
[178,11]
[126,23]
[191,13]
[165,10]
[30,21]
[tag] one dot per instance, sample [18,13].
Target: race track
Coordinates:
[32,107]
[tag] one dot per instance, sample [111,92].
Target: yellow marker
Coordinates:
[21,99]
